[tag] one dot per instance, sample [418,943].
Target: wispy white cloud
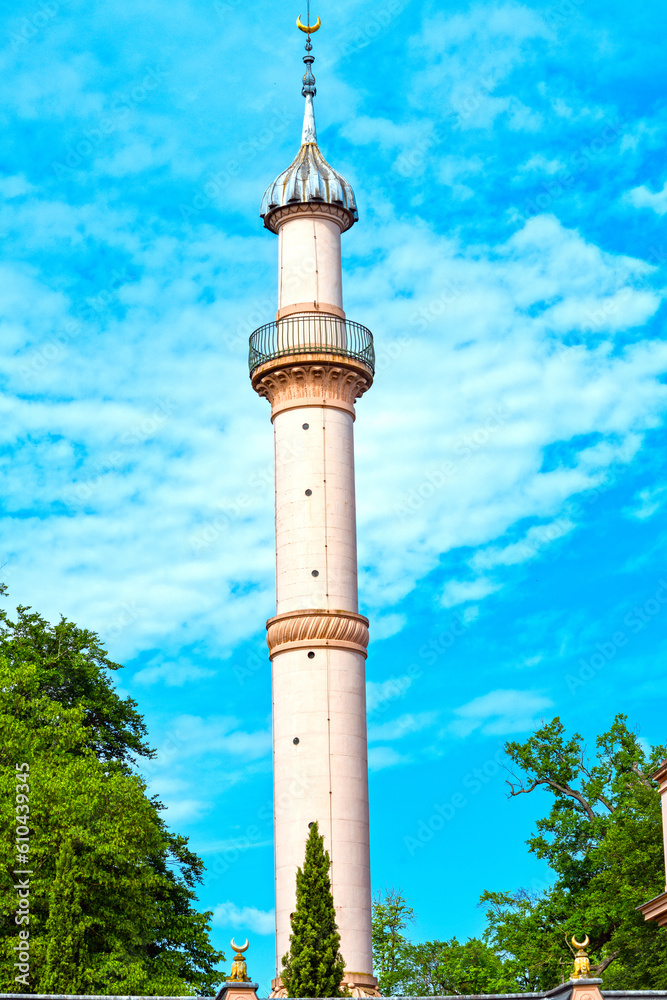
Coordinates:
[461,591]
[244,919]
[231,844]
[384,626]
[378,693]
[405,725]
[539,163]
[194,734]
[500,713]
[380,758]
[468,56]
[175,794]
[173,674]
[533,543]
[363,130]
[15,186]
[647,502]
[643,197]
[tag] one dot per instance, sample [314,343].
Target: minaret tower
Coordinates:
[312,364]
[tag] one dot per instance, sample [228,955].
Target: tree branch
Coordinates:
[642,777]
[563,789]
[573,794]
[519,790]
[605,803]
[599,969]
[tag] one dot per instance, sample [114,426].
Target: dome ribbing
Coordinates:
[309,179]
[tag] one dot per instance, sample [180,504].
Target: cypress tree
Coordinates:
[314,966]
[66,952]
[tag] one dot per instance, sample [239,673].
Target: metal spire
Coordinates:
[309,134]
[309,178]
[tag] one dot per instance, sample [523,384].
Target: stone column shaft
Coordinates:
[309,273]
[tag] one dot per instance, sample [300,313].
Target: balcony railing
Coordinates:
[311,334]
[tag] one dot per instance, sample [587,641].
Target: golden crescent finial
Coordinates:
[582,944]
[236,947]
[309,30]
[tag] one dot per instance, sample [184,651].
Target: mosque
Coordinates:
[312,364]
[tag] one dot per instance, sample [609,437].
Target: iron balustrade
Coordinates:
[311,333]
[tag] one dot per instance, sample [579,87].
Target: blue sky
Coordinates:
[508,162]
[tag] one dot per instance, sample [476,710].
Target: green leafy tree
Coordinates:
[453,968]
[71,669]
[314,966]
[112,890]
[529,931]
[391,915]
[602,838]
[433,968]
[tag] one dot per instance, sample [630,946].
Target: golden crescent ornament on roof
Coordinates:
[307,28]
[583,944]
[236,947]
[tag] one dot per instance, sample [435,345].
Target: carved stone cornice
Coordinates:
[297,380]
[277,216]
[317,628]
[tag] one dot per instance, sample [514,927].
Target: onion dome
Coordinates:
[309,179]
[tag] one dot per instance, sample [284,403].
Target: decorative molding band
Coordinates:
[278,216]
[317,628]
[310,307]
[312,380]
[359,984]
